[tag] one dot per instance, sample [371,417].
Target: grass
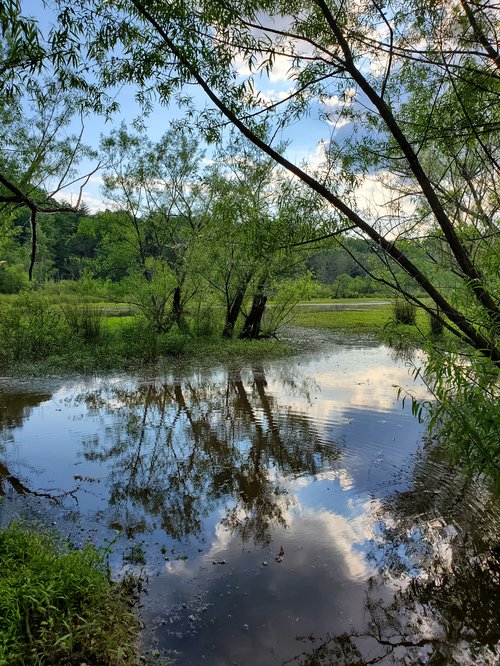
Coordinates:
[362,299]
[41,338]
[368,321]
[127,345]
[59,606]
[378,322]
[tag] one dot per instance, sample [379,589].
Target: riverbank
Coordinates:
[39,341]
[58,604]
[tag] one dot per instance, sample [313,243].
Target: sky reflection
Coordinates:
[216,472]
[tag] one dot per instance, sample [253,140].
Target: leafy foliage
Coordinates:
[58,605]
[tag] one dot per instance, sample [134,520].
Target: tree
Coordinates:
[160,207]
[38,157]
[256,213]
[43,91]
[368,62]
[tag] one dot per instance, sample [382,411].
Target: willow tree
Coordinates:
[43,104]
[418,82]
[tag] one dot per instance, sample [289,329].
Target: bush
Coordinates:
[287,293]
[31,328]
[436,325]
[12,279]
[404,312]
[59,606]
[85,321]
[140,340]
[205,322]
[465,414]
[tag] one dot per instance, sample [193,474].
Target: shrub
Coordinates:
[465,415]
[140,340]
[436,325]
[12,279]
[404,312]
[85,321]
[31,328]
[205,321]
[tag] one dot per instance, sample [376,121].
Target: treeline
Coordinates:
[80,246]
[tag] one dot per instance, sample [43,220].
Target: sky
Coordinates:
[306,138]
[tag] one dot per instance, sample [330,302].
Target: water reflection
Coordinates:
[14,408]
[175,449]
[288,514]
[434,595]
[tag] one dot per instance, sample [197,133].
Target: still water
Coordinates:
[290,512]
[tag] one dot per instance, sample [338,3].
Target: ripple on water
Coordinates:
[273,502]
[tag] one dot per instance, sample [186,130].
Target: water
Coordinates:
[348,306]
[290,512]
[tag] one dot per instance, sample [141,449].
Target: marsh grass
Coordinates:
[42,337]
[353,321]
[404,312]
[59,606]
[378,323]
[84,320]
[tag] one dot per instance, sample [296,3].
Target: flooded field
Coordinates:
[284,513]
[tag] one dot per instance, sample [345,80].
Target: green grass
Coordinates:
[59,606]
[111,323]
[41,338]
[362,321]
[127,344]
[235,350]
[361,299]
[378,322]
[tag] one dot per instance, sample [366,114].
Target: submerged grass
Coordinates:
[59,606]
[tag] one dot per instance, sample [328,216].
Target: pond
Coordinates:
[290,512]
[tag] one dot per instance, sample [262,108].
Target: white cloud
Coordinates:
[378,196]
[280,71]
[271,96]
[94,203]
[337,122]
[336,102]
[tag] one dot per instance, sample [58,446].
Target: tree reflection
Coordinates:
[440,552]
[178,449]
[14,409]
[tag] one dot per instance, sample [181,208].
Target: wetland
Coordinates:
[288,511]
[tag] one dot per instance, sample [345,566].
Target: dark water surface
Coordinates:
[289,512]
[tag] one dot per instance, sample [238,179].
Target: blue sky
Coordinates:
[304,137]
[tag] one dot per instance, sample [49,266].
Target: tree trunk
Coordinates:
[177,310]
[253,322]
[233,312]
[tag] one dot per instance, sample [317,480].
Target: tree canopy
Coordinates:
[418,84]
